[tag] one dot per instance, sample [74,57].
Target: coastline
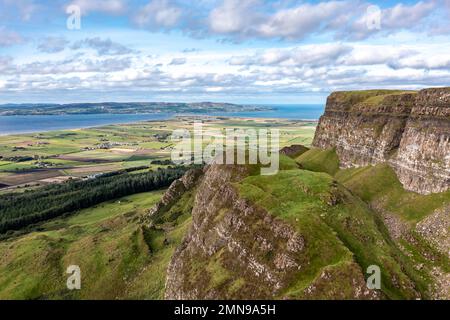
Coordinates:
[92,121]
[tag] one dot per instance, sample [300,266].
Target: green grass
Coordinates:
[107,243]
[379,184]
[319,160]
[13,166]
[68,148]
[336,233]
[370,97]
[287,163]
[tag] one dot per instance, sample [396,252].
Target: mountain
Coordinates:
[332,212]
[408,130]
[297,235]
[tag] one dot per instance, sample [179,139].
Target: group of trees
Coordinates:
[19,210]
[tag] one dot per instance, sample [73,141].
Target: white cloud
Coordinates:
[106,6]
[52,44]
[178,61]
[422,62]
[234,16]
[403,16]
[287,71]
[300,21]
[376,54]
[324,54]
[158,14]
[243,19]
[399,17]
[102,46]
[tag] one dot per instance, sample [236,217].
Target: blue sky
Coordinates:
[244,51]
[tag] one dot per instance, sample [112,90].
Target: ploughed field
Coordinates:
[32,160]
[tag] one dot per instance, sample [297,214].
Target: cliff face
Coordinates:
[409,130]
[237,250]
[296,235]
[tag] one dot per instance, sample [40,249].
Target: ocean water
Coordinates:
[286,111]
[31,124]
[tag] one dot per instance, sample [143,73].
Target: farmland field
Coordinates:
[30,160]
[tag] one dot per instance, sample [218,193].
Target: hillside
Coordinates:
[227,232]
[108,244]
[409,130]
[298,235]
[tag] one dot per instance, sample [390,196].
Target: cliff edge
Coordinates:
[409,130]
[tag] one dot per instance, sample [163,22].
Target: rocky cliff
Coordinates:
[238,250]
[409,130]
[296,235]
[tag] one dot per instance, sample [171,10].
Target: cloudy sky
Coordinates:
[246,51]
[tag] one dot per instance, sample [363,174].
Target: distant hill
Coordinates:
[125,108]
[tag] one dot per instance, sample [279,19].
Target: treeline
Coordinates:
[19,210]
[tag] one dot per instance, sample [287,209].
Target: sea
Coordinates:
[42,123]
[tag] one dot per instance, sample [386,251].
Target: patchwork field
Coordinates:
[30,160]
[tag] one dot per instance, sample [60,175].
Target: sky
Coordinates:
[240,51]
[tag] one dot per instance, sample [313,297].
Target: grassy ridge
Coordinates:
[338,227]
[319,160]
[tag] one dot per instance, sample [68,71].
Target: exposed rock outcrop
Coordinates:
[237,250]
[294,150]
[176,190]
[409,130]
[436,228]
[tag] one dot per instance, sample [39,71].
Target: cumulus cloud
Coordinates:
[286,71]
[242,19]
[73,65]
[302,46]
[368,55]
[399,17]
[158,14]
[102,46]
[235,16]
[251,18]
[106,6]
[52,44]
[403,16]
[315,55]
[422,62]
[305,19]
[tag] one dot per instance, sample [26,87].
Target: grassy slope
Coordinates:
[368,97]
[319,160]
[379,184]
[107,243]
[373,185]
[337,234]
